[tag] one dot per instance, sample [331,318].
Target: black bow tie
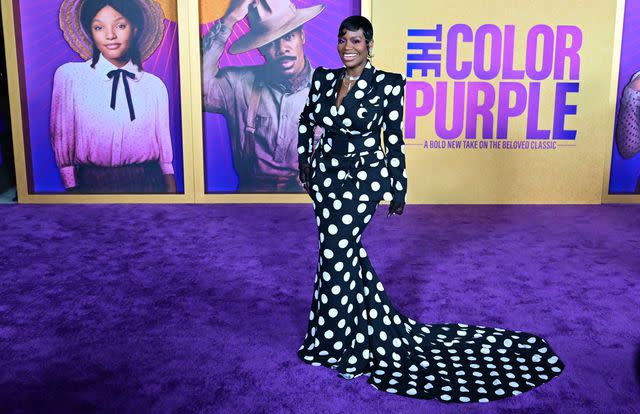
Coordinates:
[115,75]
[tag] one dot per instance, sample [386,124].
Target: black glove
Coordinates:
[304,174]
[395,207]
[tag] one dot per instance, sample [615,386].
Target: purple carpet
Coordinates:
[201,308]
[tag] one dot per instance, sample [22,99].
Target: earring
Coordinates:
[370,52]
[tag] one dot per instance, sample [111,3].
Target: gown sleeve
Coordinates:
[307,122]
[393,137]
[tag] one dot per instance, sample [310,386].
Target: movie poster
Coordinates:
[100,96]
[257,62]
[625,159]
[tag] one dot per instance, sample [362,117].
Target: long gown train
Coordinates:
[354,329]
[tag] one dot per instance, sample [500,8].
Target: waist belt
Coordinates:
[344,146]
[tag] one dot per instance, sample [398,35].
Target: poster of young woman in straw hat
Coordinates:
[101,80]
[257,60]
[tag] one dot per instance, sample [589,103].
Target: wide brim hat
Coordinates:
[271,21]
[81,42]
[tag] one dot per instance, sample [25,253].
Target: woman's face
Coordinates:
[113,35]
[353,48]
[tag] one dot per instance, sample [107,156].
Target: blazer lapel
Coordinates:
[362,86]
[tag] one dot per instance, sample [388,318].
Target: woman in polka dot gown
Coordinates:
[353,327]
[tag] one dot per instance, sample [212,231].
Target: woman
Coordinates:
[353,327]
[109,118]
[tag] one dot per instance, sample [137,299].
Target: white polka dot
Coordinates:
[370,142]
[327,253]
[302,129]
[334,111]
[332,229]
[327,120]
[347,219]
[375,186]
[362,175]
[335,290]
[393,139]
[330,76]
[328,334]
[381,350]
[316,84]
[373,314]
[327,182]
[362,83]
[380,77]
[338,266]
[388,89]
[359,338]
[393,115]
[333,312]
[337,345]
[362,207]
[359,94]
[395,162]
[343,243]
[396,90]
[347,122]
[353,360]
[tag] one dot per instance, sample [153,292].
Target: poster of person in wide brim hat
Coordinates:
[102,106]
[258,57]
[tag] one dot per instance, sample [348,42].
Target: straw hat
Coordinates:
[271,19]
[81,42]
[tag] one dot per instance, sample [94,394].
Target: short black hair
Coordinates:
[354,23]
[128,8]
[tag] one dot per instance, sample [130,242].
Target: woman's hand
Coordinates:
[304,174]
[170,181]
[395,208]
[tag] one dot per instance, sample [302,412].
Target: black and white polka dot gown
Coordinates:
[353,327]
